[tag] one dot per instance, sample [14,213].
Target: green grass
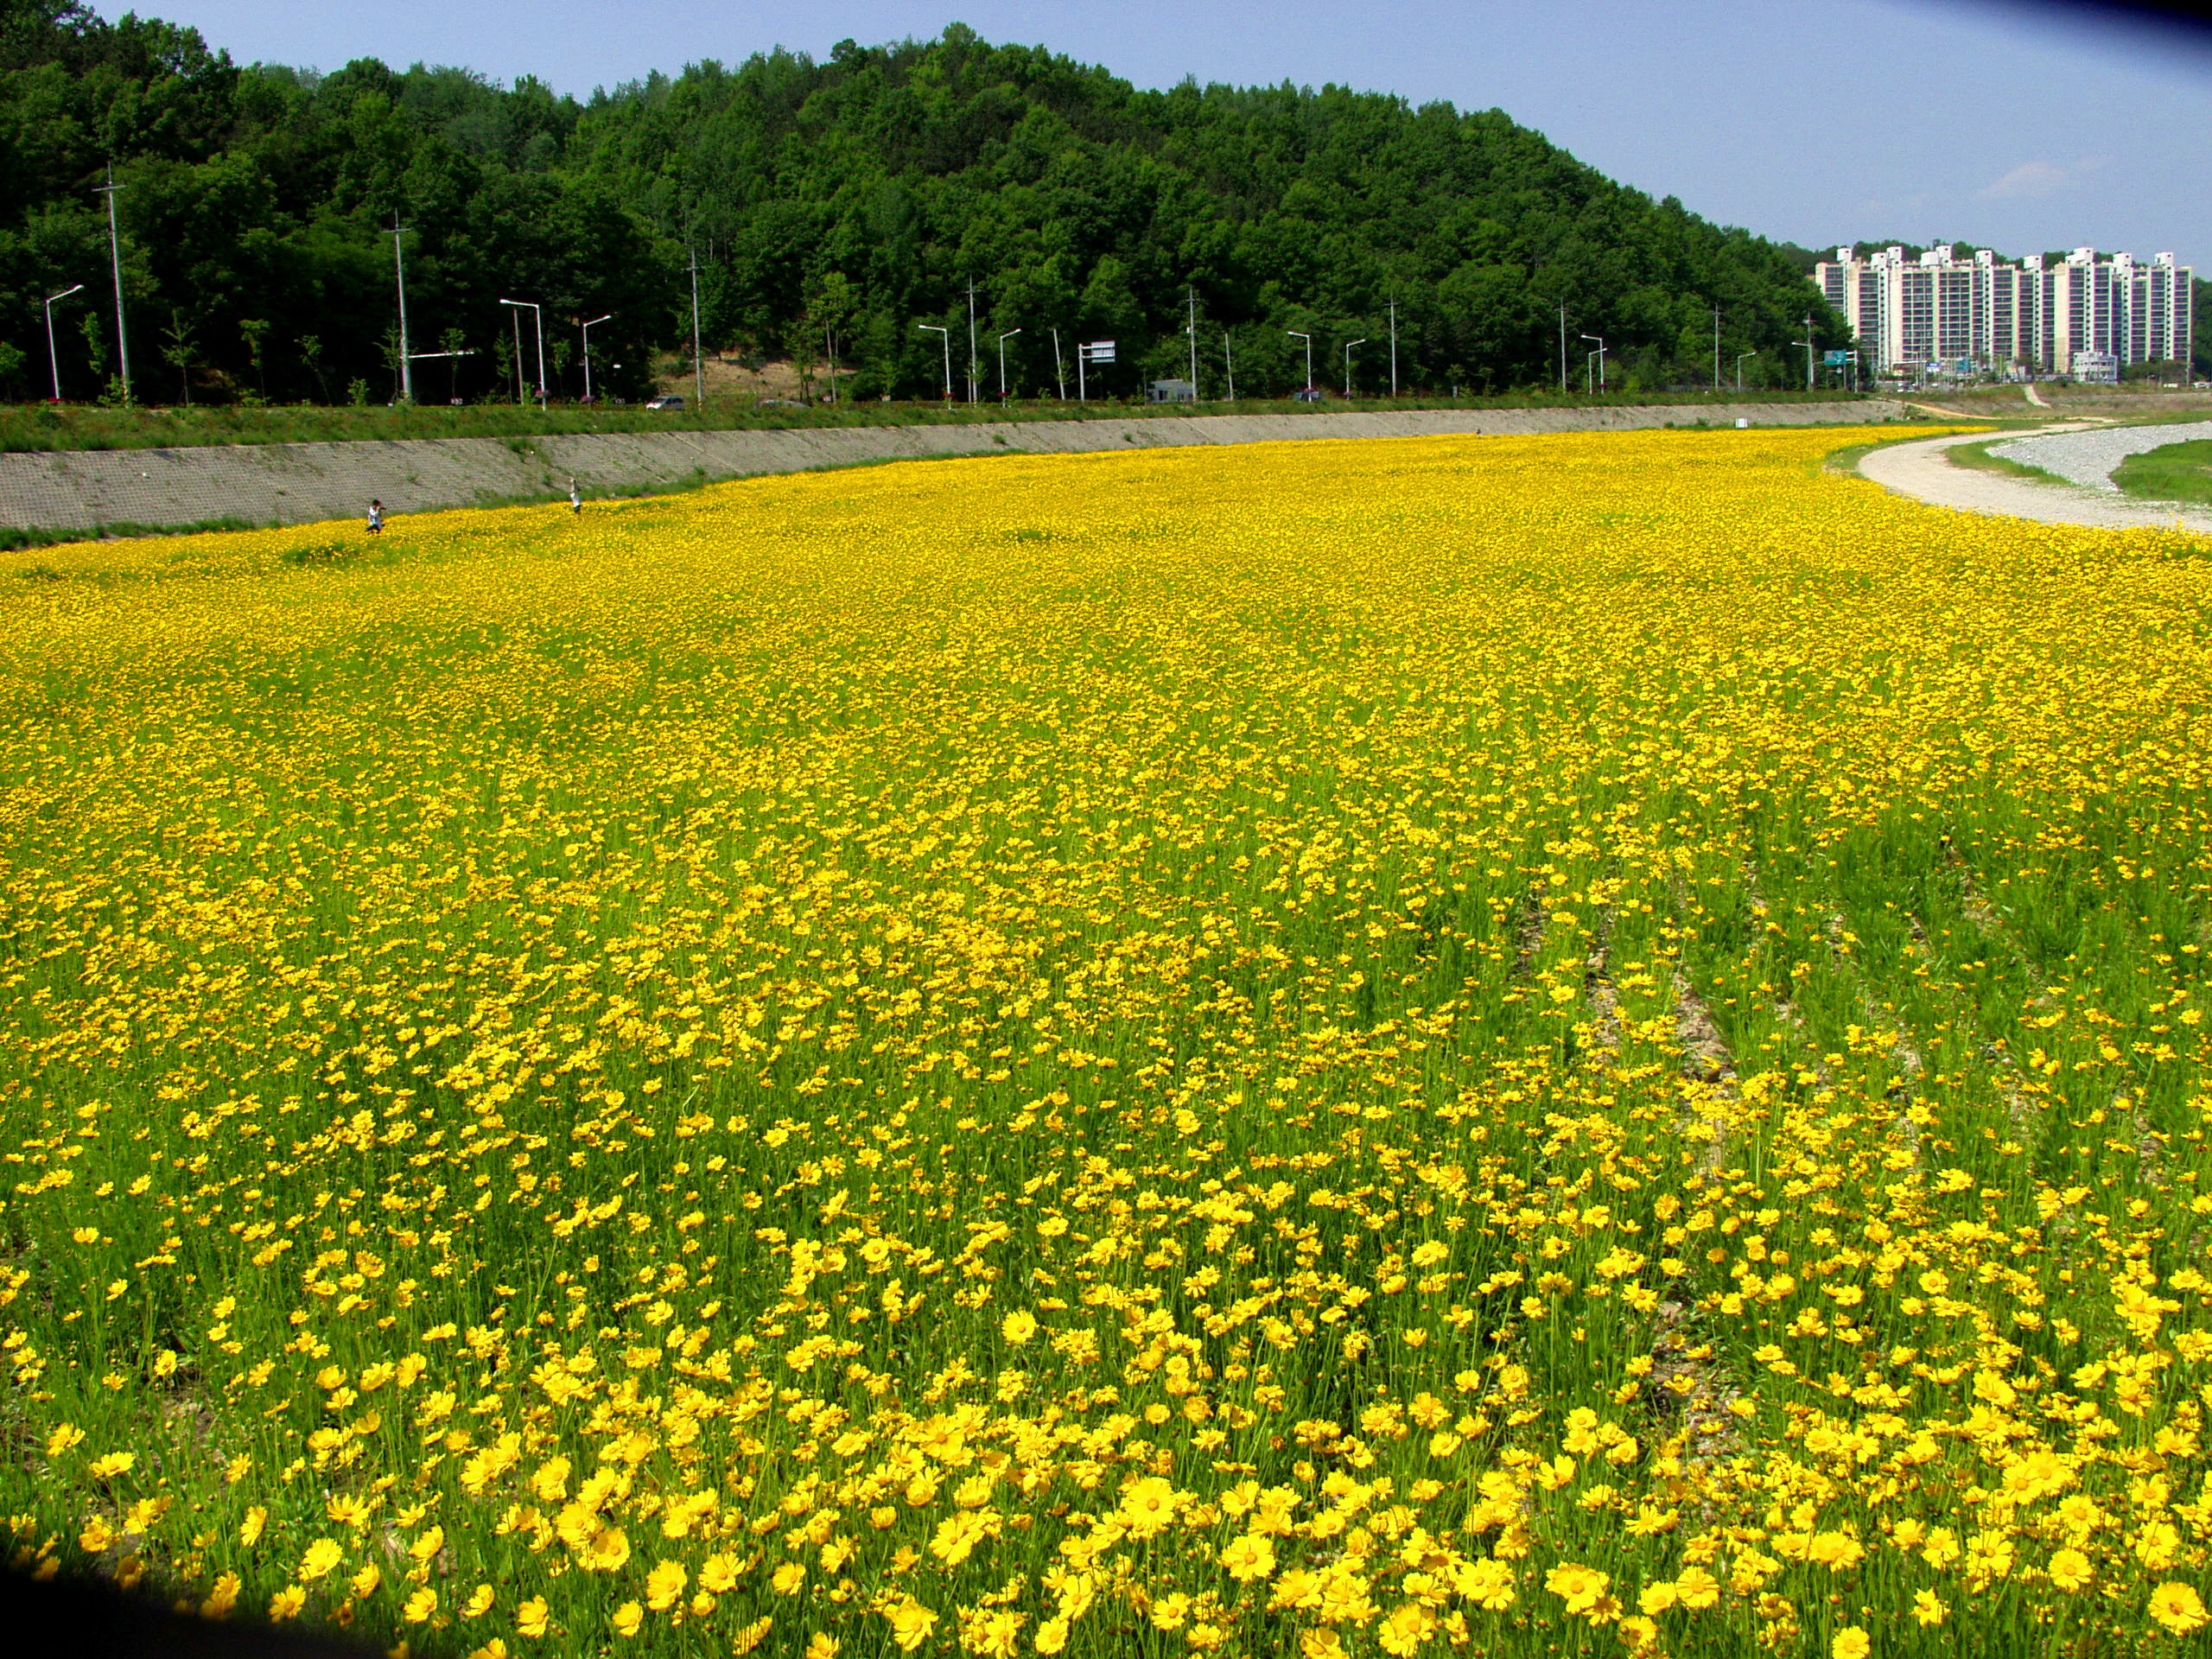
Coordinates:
[1976,456]
[38,426]
[2179,472]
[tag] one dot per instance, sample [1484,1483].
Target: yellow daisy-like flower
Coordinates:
[1249,1557]
[663,1585]
[1580,1588]
[286,1603]
[421,1605]
[532,1617]
[2177,1608]
[1928,1609]
[1850,1642]
[2070,1570]
[911,1623]
[788,1578]
[627,1617]
[1018,1327]
[320,1560]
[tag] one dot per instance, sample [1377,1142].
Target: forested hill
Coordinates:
[856,197]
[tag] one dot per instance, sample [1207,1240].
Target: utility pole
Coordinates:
[972,369]
[1562,351]
[698,360]
[1229,362]
[1059,369]
[1190,327]
[399,266]
[1394,350]
[115,251]
[1808,351]
[1716,349]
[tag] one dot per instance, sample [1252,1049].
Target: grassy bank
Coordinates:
[2179,472]
[39,427]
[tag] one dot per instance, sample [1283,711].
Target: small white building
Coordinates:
[2096,368]
[1171,392]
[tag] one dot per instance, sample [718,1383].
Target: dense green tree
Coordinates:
[856,197]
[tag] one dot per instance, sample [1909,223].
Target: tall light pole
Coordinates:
[1059,369]
[587,327]
[1229,363]
[1349,344]
[399,271]
[1740,356]
[1716,348]
[115,251]
[1808,344]
[939,328]
[539,320]
[1003,338]
[1562,351]
[698,358]
[974,377]
[1394,349]
[1308,338]
[53,359]
[1600,339]
[1190,327]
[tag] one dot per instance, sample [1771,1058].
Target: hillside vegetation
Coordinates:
[841,203]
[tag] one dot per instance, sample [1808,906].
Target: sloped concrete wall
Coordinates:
[302,483]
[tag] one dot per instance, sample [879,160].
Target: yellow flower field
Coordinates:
[1580,1045]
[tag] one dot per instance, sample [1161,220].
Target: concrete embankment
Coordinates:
[302,483]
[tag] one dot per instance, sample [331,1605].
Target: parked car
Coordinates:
[669,401]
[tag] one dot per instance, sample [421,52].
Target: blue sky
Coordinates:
[1972,120]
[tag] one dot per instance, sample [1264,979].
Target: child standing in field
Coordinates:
[575,498]
[376,516]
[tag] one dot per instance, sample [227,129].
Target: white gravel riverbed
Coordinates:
[2088,458]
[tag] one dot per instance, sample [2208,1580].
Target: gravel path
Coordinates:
[2088,458]
[1923,471]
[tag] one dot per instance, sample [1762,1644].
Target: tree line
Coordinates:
[823,210]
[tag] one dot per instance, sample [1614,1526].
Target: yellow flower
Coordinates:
[627,1617]
[365,1582]
[1928,1607]
[2178,1607]
[1321,1643]
[530,1618]
[1850,1642]
[64,1437]
[2070,1570]
[1249,1557]
[606,1550]
[788,1578]
[1581,1587]
[97,1535]
[821,1645]
[1148,1506]
[479,1602]
[1018,1327]
[718,1574]
[664,1585]
[1406,1628]
[249,1529]
[911,1623]
[1052,1635]
[1697,1589]
[286,1603]
[222,1596]
[421,1605]
[114,1463]
[1486,1582]
[320,1560]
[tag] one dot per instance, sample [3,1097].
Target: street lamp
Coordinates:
[1600,355]
[1740,356]
[587,327]
[537,318]
[940,330]
[1808,345]
[1349,344]
[52,361]
[1003,338]
[1308,338]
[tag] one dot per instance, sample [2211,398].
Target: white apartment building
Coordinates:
[1995,316]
